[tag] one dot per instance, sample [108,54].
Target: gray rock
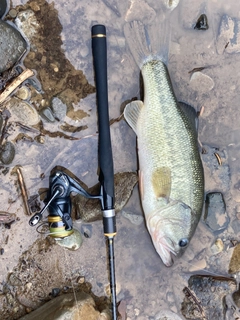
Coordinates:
[3,7]
[12,46]
[7,152]
[68,307]
[215,216]
[59,108]
[46,113]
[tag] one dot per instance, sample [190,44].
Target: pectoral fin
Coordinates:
[161,182]
[131,113]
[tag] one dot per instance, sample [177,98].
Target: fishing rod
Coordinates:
[106,174]
[62,182]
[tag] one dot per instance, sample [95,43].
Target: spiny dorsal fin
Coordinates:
[161,182]
[131,113]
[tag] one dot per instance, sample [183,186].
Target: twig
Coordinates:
[16,82]
[3,130]
[190,294]
[23,190]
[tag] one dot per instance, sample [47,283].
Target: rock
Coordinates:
[136,219]
[72,242]
[23,93]
[229,37]
[59,108]
[27,22]
[7,152]
[234,265]
[47,114]
[205,295]
[215,215]
[198,265]
[167,315]
[86,230]
[201,82]
[12,46]
[66,307]
[22,111]
[202,23]
[89,210]
[217,247]
[3,7]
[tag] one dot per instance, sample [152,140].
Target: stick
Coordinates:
[15,83]
[23,190]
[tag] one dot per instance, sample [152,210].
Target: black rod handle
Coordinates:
[106,175]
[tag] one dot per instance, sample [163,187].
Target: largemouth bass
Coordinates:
[170,169]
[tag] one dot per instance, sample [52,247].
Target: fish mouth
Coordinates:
[165,249]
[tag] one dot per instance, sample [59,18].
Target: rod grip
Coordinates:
[106,175]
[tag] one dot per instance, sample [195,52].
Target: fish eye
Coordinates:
[183,242]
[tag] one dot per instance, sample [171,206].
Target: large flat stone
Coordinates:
[12,46]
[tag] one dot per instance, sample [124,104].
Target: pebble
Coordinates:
[59,108]
[12,46]
[23,112]
[215,215]
[7,152]
[201,82]
[55,292]
[202,23]
[47,114]
[81,280]
[136,219]
[229,35]
[3,7]
[72,242]
[86,230]
[217,247]
[13,13]
[23,93]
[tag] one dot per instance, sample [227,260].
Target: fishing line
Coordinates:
[71,279]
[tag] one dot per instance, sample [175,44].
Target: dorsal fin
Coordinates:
[131,113]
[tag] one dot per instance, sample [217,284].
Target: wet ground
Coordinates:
[63,63]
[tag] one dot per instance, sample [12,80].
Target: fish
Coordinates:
[171,178]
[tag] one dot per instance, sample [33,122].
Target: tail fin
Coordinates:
[148,43]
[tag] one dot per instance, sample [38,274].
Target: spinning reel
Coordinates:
[58,202]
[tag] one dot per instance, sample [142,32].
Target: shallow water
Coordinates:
[146,284]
